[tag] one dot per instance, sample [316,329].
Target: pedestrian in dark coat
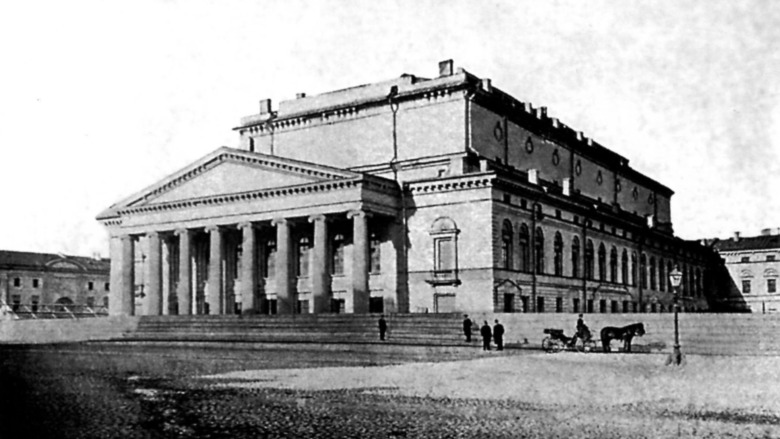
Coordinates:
[382,327]
[498,336]
[486,334]
[467,328]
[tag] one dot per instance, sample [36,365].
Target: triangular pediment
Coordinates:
[230,171]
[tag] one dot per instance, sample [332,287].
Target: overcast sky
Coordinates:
[101,99]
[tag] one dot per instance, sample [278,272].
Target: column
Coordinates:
[320,275]
[360,291]
[284,299]
[215,292]
[154,293]
[123,298]
[248,274]
[184,286]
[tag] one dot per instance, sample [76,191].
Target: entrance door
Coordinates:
[509,302]
[337,306]
[376,305]
[444,303]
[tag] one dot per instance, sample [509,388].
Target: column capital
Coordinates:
[318,217]
[213,228]
[246,225]
[182,232]
[359,214]
[279,221]
[153,234]
[127,237]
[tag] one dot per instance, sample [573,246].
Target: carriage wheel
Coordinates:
[547,344]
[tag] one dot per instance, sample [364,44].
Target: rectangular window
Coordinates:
[602,306]
[770,258]
[653,307]
[745,287]
[614,306]
[36,283]
[105,302]
[771,285]
[17,282]
[16,301]
[575,304]
[507,199]
[524,300]
[635,306]
[626,306]
[590,305]
[375,254]
[91,301]
[90,286]
[35,300]
[106,286]
[445,254]
[559,304]
[540,304]
[302,307]
[745,259]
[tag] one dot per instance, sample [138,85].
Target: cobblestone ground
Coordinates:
[106,391]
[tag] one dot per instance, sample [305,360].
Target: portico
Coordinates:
[300,248]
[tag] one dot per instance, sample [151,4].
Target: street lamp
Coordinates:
[675,277]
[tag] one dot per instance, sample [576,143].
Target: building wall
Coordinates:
[53,286]
[759,272]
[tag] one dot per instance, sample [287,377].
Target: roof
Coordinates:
[48,261]
[763,242]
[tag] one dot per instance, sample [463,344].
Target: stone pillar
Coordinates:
[284,296]
[248,273]
[122,298]
[360,291]
[215,293]
[320,273]
[184,287]
[154,292]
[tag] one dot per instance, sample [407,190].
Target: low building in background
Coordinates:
[45,283]
[752,266]
[415,194]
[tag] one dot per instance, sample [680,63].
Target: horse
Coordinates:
[625,333]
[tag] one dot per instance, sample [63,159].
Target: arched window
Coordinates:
[613,263]
[661,275]
[539,250]
[558,249]
[602,262]
[624,267]
[375,253]
[575,257]
[643,270]
[337,255]
[589,259]
[524,255]
[652,272]
[269,260]
[506,245]
[304,254]
[633,269]
[445,250]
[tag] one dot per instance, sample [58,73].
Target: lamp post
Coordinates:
[675,277]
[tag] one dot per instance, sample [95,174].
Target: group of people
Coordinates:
[496,333]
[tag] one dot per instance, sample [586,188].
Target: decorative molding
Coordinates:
[452,185]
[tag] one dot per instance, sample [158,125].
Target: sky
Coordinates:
[99,99]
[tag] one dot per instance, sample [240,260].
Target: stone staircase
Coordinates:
[419,329]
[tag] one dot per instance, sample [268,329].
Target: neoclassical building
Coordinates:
[415,194]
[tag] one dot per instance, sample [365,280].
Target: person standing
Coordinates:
[486,334]
[498,335]
[467,328]
[382,327]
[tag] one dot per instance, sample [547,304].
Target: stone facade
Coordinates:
[752,266]
[32,280]
[410,195]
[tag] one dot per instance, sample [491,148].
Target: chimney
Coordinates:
[650,221]
[445,68]
[300,95]
[544,112]
[580,136]
[533,176]
[590,141]
[555,122]
[736,236]
[528,107]
[486,85]
[265,106]
[766,232]
[567,186]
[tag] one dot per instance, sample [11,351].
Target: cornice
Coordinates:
[463,182]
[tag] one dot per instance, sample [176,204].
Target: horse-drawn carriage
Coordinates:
[557,341]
